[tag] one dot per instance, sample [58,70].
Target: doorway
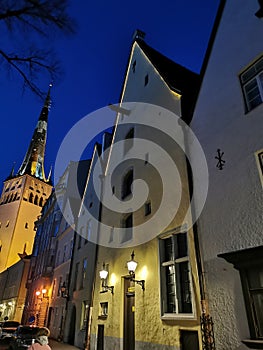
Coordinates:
[189,340]
[71,336]
[100,339]
[129,309]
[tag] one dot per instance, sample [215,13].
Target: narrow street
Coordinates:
[55,345]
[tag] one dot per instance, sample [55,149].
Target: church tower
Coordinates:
[23,196]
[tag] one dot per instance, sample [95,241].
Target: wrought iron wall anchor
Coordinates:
[220,164]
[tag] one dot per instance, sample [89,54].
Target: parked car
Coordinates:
[23,337]
[8,328]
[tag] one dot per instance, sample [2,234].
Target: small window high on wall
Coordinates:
[127,184]
[252,85]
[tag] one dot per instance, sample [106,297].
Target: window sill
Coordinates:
[172,317]
[102,317]
[253,344]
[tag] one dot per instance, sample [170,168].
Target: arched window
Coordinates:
[127,183]
[41,202]
[36,200]
[31,197]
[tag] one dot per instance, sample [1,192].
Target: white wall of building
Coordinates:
[232,217]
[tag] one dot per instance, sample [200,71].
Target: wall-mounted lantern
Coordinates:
[131,265]
[63,290]
[43,292]
[103,276]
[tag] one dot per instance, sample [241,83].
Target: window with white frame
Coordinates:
[175,275]
[252,85]
[259,160]
[249,263]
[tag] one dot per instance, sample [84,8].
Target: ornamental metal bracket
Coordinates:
[207,330]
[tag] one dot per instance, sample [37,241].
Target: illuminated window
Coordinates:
[252,85]
[175,275]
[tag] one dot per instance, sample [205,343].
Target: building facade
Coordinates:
[39,282]
[159,306]
[228,122]
[83,263]
[13,290]
[50,267]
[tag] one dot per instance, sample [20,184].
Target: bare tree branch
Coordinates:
[31,19]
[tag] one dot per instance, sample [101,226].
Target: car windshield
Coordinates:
[28,330]
[10,324]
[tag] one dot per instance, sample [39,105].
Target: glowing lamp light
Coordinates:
[103,275]
[37,293]
[103,272]
[132,264]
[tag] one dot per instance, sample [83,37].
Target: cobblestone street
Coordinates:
[55,345]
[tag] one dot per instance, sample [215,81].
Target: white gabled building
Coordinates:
[160,306]
[228,121]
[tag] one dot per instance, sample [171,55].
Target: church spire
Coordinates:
[33,163]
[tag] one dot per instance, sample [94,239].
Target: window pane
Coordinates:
[185,290]
[257,298]
[168,249]
[252,94]
[175,276]
[255,278]
[181,244]
[251,81]
[170,289]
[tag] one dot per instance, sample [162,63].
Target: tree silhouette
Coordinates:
[28,28]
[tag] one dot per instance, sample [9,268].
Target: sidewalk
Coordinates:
[55,345]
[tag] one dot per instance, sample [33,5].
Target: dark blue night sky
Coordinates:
[94,62]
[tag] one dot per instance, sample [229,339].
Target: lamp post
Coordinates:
[132,265]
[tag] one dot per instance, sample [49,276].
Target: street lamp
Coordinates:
[43,291]
[132,265]
[63,290]
[103,276]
